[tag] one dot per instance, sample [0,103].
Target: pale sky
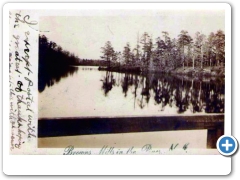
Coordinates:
[85,35]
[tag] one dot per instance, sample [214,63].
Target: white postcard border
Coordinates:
[129,165]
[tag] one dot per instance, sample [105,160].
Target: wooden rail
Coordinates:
[53,127]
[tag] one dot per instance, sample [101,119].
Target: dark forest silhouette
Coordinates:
[54,63]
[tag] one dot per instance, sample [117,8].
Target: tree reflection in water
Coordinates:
[108,82]
[183,93]
[48,76]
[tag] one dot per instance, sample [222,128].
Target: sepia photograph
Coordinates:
[122,88]
[128,78]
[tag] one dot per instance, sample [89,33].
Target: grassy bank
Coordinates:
[208,71]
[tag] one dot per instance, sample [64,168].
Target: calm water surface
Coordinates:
[85,91]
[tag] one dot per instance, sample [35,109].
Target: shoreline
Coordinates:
[217,71]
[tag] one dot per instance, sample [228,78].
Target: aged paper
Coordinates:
[117,81]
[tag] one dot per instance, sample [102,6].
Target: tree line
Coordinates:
[165,52]
[92,62]
[51,53]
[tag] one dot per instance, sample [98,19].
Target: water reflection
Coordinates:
[108,82]
[48,76]
[130,93]
[181,93]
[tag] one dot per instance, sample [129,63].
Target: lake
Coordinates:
[85,91]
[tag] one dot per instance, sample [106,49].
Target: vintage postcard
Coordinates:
[118,79]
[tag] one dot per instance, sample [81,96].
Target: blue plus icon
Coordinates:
[227,145]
